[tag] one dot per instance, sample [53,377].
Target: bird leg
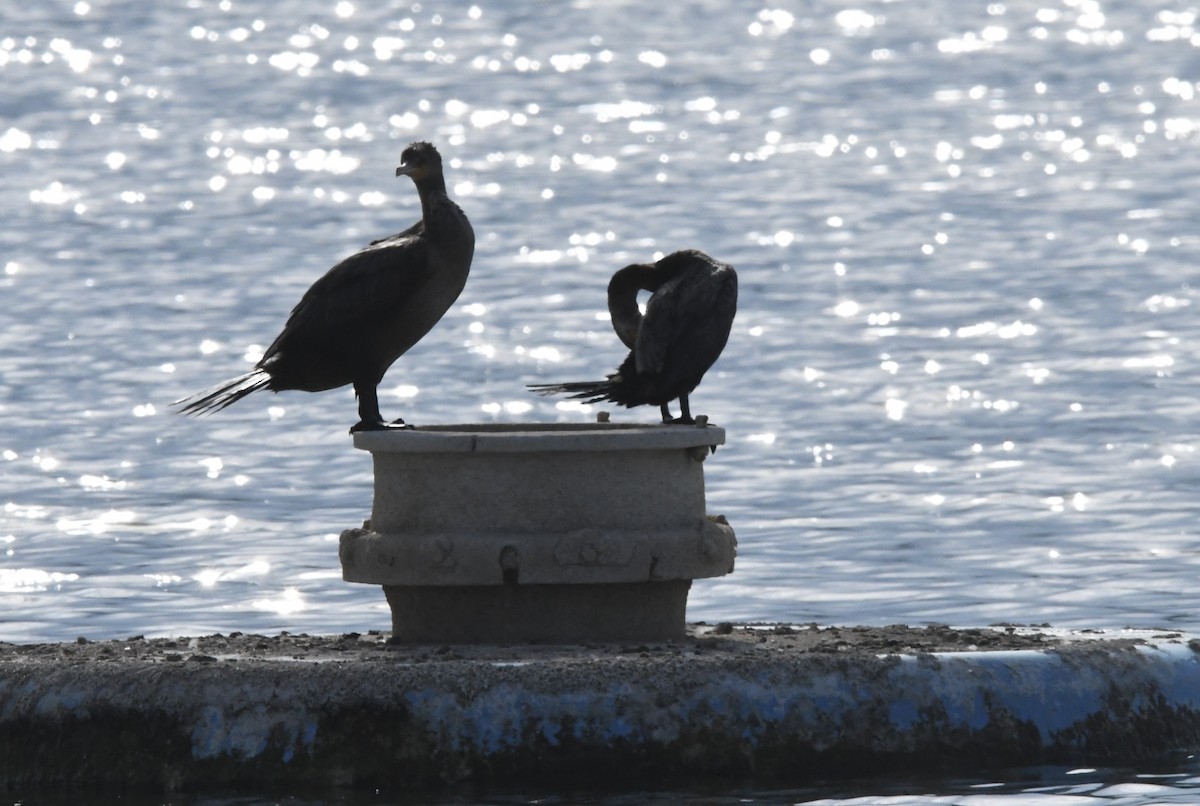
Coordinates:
[685,416]
[369,418]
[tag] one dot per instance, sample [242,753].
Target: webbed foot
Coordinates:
[379,425]
[685,414]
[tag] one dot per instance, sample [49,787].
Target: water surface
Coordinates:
[961,386]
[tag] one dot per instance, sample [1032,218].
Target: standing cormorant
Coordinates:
[369,309]
[687,322]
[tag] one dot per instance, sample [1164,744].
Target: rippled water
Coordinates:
[961,386]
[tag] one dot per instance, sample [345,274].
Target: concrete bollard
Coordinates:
[501,533]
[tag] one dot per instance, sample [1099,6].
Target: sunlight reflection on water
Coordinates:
[959,386]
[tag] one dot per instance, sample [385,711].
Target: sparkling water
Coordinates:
[960,388]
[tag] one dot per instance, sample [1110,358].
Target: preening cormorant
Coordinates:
[687,322]
[369,309]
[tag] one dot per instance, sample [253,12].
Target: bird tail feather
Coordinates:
[615,389]
[223,394]
[587,391]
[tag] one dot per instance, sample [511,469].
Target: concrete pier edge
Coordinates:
[734,703]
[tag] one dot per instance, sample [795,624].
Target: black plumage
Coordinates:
[686,325]
[368,310]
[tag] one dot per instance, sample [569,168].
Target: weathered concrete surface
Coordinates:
[645,611]
[705,547]
[792,704]
[537,478]
[479,532]
[545,504]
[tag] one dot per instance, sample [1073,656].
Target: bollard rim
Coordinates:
[538,437]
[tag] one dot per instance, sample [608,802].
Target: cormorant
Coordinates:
[687,322]
[369,309]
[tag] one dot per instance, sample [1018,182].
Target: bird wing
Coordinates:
[706,343]
[362,288]
[416,229]
[687,320]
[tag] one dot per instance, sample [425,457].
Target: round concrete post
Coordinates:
[538,532]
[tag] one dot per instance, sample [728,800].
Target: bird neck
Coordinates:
[622,300]
[432,191]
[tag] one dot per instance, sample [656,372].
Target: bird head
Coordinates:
[418,161]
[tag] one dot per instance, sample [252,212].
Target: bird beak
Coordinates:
[406,170]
